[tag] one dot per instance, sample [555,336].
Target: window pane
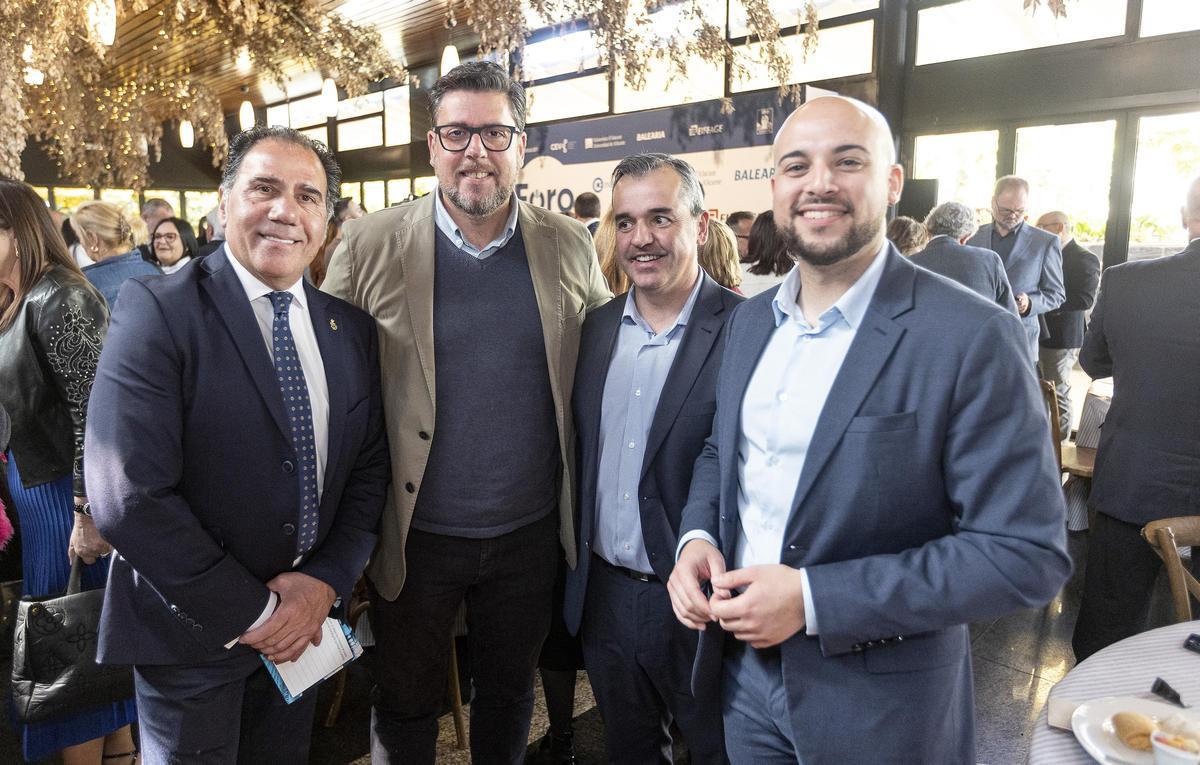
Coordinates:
[572,52]
[307,111]
[983,27]
[1168,157]
[67,198]
[317,134]
[568,98]
[791,13]
[360,134]
[1160,17]
[704,81]
[424,185]
[126,199]
[843,51]
[352,189]
[964,165]
[43,192]
[277,115]
[198,203]
[396,125]
[1069,168]
[373,195]
[398,190]
[371,103]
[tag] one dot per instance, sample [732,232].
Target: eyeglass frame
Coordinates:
[472,132]
[1007,211]
[166,236]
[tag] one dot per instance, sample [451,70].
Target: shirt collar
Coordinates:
[441,217]
[851,306]
[632,314]
[256,289]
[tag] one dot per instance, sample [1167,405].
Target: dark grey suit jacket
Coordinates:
[976,268]
[1064,326]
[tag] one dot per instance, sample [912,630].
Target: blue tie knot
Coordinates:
[281,301]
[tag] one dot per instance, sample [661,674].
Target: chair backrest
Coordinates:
[1050,398]
[1165,536]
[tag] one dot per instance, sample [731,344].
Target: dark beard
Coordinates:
[478,208]
[860,236]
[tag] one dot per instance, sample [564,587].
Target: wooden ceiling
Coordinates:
[413,31]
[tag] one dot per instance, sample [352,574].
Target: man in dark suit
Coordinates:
[645,390]
[1145,332]
[979,270]
[238,464]
[1062,328]
[879,475]
[1032,258]
[587,211]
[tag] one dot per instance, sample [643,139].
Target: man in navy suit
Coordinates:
[879,474]
[645,389]
[238,464]
[1032,257]
[1145,332]
[979,270]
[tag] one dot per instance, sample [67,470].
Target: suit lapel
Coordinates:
[225,290]
[698,338]
[873,344]
[416,250]
[1019,245]
[325,316]
[542,255]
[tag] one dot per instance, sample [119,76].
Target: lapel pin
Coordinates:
[333,324]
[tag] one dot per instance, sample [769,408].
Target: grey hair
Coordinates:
[479,77]
[1007,182]
[156,203]
[213,217]
[639,165]
[244,141]
[952,219]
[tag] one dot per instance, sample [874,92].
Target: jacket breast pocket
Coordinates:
[886,423]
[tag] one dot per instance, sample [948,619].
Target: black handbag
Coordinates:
[54,669]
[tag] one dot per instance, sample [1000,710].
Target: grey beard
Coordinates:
[859,237]
[479,208]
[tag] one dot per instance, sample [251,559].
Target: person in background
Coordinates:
[909,235]
[605,240]
[978,269]
[741,222]
[174,244]
[768,261]
[153,211]
[52,325]
[344,210]
[105,235]
[719,256]
[76,250]
[587,211]
[214,232]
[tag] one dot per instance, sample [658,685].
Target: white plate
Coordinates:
[1092,724]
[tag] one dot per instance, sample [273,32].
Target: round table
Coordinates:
[1127,668]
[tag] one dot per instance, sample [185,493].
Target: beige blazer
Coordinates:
[385,265]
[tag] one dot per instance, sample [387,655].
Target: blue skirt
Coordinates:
[46,516]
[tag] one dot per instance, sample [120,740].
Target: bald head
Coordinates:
[1191,209]
[845,108]
[1057,223]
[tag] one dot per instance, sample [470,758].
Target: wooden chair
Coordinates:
[1074,460]
[1165,536]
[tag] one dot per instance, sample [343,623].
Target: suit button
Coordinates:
[288,467]
[791,547]
[289,528]
[198,627]
[409,487]
[423,436]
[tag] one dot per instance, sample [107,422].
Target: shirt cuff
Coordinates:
[810,613]
[272,602]
[697,534]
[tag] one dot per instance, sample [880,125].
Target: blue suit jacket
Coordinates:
[1145,332]
[1035,268]
[929,498]
[975,268]
[191,471]
[682,421]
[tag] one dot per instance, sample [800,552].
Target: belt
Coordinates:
[635,575]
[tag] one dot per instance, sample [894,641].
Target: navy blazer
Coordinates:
[1035,268]
[929,498]
[976,268]
[682,421]
[1145,332]
[1064,326]
[191,470]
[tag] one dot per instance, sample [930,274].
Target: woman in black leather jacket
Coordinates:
[52,324]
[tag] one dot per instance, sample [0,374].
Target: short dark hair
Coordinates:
[639,165]
[187,237]
[587,205]
[735,218]
[480,77]
[244,141]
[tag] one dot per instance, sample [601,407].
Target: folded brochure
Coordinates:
[338,648]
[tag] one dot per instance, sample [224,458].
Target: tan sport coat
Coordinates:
[385,265]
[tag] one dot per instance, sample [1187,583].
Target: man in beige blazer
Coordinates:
[479,300]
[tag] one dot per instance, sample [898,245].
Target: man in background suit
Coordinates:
[587,211]
[1145,332]
[487,296]
[1062,329]
[979,270]
[236,460]
[645,390]
[879,475]
[1032,258]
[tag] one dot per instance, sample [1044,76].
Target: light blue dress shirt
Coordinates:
[446,224]
[636,374]
[780,409]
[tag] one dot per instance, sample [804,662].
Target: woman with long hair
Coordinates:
[605,242]
[108,240]
[767,259]
[173,244]
[719,256]
[52,324]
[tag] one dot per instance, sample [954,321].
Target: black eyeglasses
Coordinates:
[458,137]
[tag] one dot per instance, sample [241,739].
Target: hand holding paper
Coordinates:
[304,603]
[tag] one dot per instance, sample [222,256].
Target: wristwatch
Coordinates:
[84,509]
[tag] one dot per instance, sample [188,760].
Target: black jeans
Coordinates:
[507,583]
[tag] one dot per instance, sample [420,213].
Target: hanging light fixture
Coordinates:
[329,97]
[187,136]
[449,59]
[246,115]
[102,21]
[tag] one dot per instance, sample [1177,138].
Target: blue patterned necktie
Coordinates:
[299,412]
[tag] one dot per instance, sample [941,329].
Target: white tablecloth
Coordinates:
[1127,668]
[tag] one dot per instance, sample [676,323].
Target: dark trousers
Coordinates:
[220,713]
[507,583]
[639,661]
[1117,585]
